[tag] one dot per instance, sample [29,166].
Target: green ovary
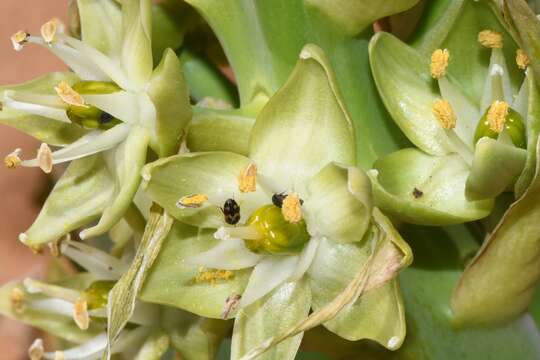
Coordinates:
[97,293]
[90,117]
[277,235]
[513,126]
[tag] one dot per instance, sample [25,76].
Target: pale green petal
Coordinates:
[339,203]
[171,281]
[271,315]
[214,174]
[498,284]
[154,347]
[169,94]
[79,197]
[495,168]
[44,129]
[126,163]
[101,22]
[136,54]
[354,16]
[304,126]
[422,189]
[408,91]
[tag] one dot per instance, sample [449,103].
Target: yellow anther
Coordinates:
[496,115]
[50,29]
[522,60]
[490,39]
[44,158]
[439,63]
[68,95]
[16,298]
[247,181]
[19,39]
[12,160]
[212,276]
[80,314]
[192,201]
[35,351]
[444,113]
[292,208]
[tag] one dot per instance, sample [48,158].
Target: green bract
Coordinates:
[302,145]
[114,104]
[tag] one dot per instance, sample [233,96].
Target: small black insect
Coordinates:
[417,193]
[277,199]
[231,211]
[105,118]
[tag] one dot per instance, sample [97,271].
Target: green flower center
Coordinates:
[510,121]
[90,117]
[97,293]
[277,236]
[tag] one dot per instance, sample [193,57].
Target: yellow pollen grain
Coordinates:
[68,95]
[192,201]
[13,160]
[212,276]
[439,63]
[50,29]
[490,39]
[19,39]
[247,181]
[444,113]
[292,208]
[16,298]
[35,351]
[80,314]
[522,60]
[496,115]
[44,158]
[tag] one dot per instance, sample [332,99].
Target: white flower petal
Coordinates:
[53,305]
[90,350]
[230,254]
[306,258]
[99,263]
[36,109]
[122,105]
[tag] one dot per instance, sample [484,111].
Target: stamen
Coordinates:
[522,60]
[240,232]
[35,351]
[80,314]
[291,209]
[19,39]
[44,158]
[50,29]
[12,160]
[16,298]
[247,181]
[444,113]
[192,201]
[439,63]
[54,291]
[496,115]
[230,305]
[212,276]
[490,39]
[68,95]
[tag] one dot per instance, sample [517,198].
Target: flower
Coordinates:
[104,115]
[285,227]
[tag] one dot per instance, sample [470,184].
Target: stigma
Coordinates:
[444,113]
[522,60]
[192,201]
[439,63]
[490,39]
[496,115]
[247,181]
[68,95]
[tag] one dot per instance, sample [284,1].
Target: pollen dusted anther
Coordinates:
[16,298]
[80,314]
[522,60]
[36,350]
[444,113]
[496,115]
[212,276]
[192,201]
[247,181]
[13,160]
[439,63]
[490,39]
[19,39]
[50,29]
[44,158]
[68,95]
[292,208]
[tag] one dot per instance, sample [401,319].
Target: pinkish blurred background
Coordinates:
[21,189]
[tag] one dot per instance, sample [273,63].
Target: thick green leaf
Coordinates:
[171,281]
[408,91]
[498,284]
[101,25]
[80,196]
[44,129]
[496,167]
[282,308]
[423,189]
[169,94]
[339,203]
[304,126]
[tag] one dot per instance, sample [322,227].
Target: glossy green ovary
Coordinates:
[278,236]
[97,293]
[90,117]
[513,126]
